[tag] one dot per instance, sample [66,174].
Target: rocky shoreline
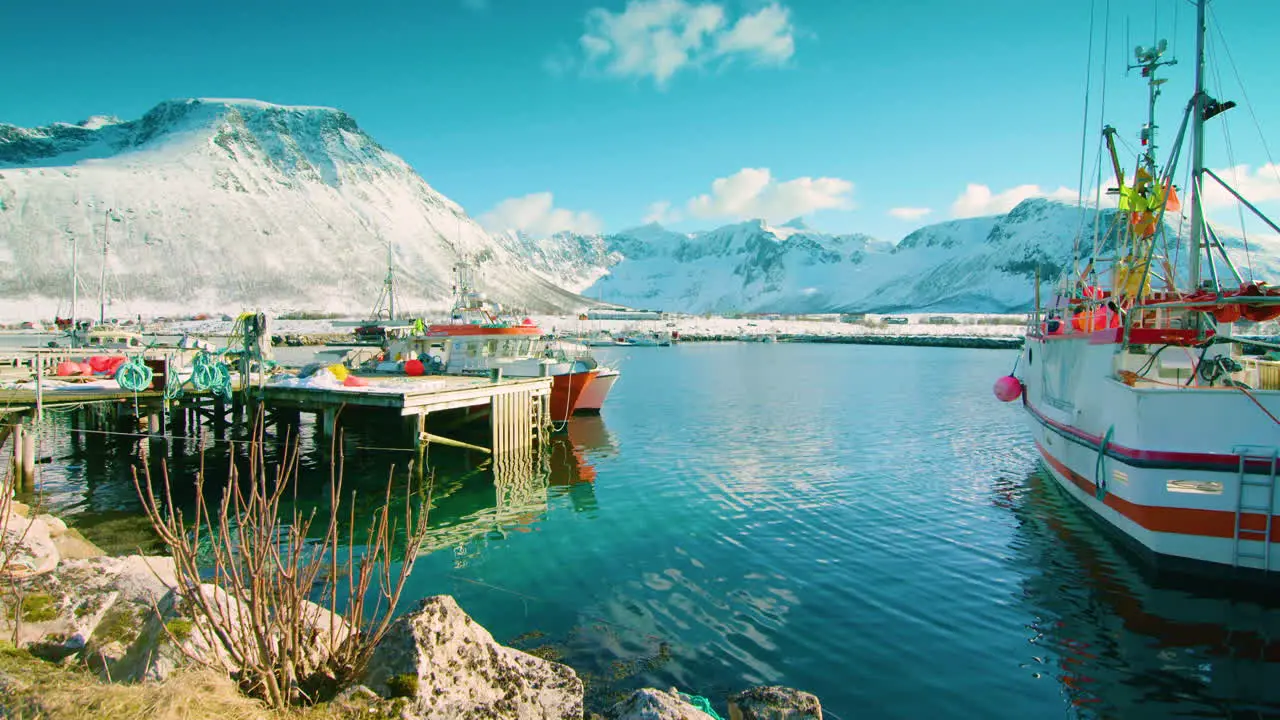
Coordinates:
[120,621]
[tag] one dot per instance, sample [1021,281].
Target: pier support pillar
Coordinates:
[18,431]
[328,418]
[28,473]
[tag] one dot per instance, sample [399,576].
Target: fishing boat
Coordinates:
[478,340]
[592,399]
[1142,402]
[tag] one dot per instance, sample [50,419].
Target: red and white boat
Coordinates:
[1142,401]
[478,341]
[592,399]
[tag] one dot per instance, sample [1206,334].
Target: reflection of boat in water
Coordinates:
[1128,645]
[570,454]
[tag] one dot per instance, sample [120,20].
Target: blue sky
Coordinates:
[598,114]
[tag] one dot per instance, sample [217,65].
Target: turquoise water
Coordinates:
[865,523]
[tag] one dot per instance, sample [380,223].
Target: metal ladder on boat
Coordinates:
[1266,484]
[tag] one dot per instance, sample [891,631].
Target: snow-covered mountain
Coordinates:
[221,204]
[984,264]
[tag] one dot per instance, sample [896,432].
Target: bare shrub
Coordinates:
[267,572]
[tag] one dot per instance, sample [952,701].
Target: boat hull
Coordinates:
[566,389]
[1163,466]
[592,399]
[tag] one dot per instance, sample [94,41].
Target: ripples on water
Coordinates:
[866,523]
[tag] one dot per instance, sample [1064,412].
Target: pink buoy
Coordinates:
[1008,388]
[99,363]
[414,367]
[355,381]
[66,368]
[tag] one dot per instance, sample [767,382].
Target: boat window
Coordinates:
[1200,487]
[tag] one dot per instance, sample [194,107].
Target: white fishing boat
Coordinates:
[478,339]
[1141,402]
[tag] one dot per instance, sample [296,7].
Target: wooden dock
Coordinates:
[517,410]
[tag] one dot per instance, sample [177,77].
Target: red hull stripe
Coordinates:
[1184,521]
[565,391]
[1215,462]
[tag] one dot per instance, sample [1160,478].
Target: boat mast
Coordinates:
[391,285]
[74,280]
[102,275]
[1197,154]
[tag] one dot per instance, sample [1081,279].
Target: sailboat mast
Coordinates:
[1197,154]
[74,280]
[102,275]
[391,285]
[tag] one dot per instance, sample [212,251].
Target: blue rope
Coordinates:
[133,375]
[701,703]
[208,372]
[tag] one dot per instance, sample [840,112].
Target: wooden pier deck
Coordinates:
[517,409]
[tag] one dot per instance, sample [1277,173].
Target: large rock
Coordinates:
[29,548]
[451,668]
[88,603]
[180,636]
[772,702]
[650,704]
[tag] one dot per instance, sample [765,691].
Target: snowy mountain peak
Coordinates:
[232,203]
[796,223]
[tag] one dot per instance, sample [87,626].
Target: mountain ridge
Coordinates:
[230,203]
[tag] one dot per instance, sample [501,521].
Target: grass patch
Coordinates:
[179,628]
[403,685]
[33,688]
[38,608]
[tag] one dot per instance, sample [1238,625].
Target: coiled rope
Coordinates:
[134,375]
[209,372]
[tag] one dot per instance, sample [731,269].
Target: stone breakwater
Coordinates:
[953,341]
[122,618]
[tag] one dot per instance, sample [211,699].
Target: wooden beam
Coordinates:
[439,440]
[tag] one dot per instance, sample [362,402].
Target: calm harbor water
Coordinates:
[866,523]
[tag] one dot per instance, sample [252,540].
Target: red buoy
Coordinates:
[1008,388]
[414,367]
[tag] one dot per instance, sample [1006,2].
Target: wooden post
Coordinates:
[328,419]
[39,364]
[219,417]
[18,431]
[28,458]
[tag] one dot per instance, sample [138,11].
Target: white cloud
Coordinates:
[754,193]
[537,215]
[1261,185]
[662,213]
[656,38]
[909,213]
[978,200]
[767,35]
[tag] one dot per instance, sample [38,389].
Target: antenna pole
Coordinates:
[1197,154]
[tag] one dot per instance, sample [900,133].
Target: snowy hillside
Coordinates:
[984,264]
[219,205]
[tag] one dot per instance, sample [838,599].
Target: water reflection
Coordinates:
[89,478]
[1127,645]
